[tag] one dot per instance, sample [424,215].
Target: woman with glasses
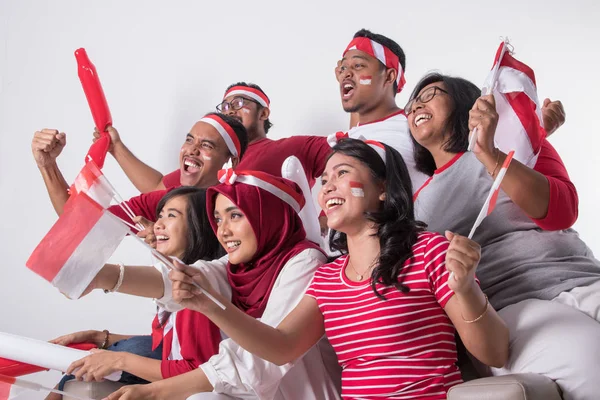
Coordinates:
[535,269]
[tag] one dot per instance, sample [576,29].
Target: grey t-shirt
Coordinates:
[519,260]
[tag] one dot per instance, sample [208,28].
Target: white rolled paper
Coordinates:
[42,354]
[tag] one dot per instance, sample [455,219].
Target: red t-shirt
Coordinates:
[402,347]
[143,205]
[268,155]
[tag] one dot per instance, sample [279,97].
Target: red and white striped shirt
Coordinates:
[400,348]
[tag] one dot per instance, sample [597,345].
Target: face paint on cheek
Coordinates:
[206,158]
[357,189]
[245,110]
[364,79]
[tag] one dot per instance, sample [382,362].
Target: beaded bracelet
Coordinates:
[487,306]
[119,281]
[104,344]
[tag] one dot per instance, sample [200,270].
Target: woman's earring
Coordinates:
[382,196]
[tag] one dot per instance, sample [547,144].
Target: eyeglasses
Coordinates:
[235,104]
[424,97]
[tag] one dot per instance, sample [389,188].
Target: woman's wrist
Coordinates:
[472,302]
[108,277]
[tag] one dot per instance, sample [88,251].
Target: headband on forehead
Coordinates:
[254,94]
[334,138]
[380,52]
[264,181]
[226,132]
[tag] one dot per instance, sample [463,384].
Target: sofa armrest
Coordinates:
[507,387]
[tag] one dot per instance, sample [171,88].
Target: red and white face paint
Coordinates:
[364,79]
[357,189]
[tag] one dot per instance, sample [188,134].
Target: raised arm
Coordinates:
[481,329]
[528,188]
[144,178]
[46,146]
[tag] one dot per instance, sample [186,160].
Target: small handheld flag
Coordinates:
[490,202]
[9,391]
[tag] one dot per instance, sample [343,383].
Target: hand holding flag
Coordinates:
[490,202]
[520,125]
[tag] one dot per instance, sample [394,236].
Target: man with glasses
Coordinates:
[249,103]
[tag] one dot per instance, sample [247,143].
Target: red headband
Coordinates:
[380,52]
[226,132]
[264,181]
[255,94]
[375,145]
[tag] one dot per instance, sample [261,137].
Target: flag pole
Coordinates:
[170,265]
[488,90]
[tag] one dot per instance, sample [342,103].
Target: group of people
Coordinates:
[399,192]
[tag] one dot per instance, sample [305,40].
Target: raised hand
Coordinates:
[47,145]
[115,138]
[553,114]
[148,233]
[462,258]
[484,117]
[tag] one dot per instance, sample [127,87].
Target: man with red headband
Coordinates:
[211,142]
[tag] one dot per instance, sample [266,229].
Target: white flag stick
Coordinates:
[124,206]
[170,265]
[489,89]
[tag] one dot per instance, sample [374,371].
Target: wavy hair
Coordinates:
[397,228]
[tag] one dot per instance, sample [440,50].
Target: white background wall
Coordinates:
[163,66]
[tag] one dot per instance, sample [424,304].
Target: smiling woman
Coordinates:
[187,337]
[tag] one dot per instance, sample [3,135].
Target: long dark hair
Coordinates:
[463,95]
[397,229]
[202,244]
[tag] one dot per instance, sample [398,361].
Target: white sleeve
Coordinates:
[238,373]
[215,271]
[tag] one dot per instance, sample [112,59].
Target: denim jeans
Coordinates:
[139,345]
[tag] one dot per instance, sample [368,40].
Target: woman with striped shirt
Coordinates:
[390,305]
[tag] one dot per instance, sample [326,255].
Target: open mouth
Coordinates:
[232,245]
[334,203]
[191,165]
[422,118]
[161,238]
[347,89]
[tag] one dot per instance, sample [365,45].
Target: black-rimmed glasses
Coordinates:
[424,97]
[235,104]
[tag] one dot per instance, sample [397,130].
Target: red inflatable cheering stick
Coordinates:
[100,112]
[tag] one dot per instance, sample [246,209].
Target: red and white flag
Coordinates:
[17,388]
[92,182]
[77,246]
[520,123]
[490,202]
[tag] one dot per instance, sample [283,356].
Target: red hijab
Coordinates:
[279,235]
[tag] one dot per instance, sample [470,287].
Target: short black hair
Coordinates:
[202,244]
[238,128]
[463,95]
[397,228]
[387,42]
[267,124]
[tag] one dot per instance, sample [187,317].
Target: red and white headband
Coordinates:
[226,132]
[380,52]
[254,94]
[375,145]
[264,181]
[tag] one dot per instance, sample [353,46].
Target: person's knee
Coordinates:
[556,341]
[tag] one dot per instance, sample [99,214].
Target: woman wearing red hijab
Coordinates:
[271,263]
